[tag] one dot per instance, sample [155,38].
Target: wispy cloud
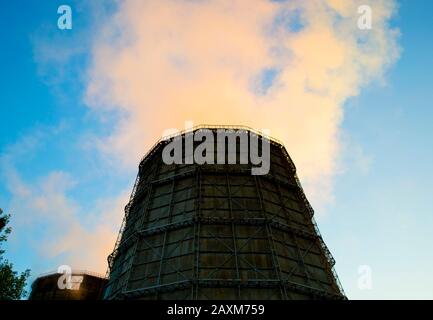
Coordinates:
[48,219]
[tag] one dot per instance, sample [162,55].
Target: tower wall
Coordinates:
[218,232]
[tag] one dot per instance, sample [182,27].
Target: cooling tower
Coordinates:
[217,231]
[78,285]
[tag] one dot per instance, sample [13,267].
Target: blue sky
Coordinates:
[382,212]
[385,215]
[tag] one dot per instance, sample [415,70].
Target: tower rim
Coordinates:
[165,139]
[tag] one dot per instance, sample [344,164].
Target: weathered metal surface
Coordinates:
[217,232]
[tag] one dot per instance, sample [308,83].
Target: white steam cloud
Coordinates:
[287,66]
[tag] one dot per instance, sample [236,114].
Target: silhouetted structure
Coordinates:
[218,232]
[83,286]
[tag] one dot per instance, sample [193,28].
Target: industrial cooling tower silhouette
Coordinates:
[215,231]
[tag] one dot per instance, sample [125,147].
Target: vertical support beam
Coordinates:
[170,213]
[235,250]
[197,227]
[271,243]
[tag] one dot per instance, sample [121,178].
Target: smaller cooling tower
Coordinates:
[79,285]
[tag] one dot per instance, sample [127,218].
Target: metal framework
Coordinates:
[218,232]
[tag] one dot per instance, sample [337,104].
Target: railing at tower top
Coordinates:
[209,127]
[73,272]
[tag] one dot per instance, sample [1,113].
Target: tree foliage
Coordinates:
[12,284]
